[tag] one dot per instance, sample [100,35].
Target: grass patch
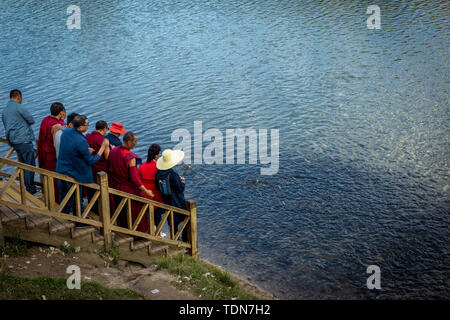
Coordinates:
[14,247]
[113,254]
[204,280]
[19,288]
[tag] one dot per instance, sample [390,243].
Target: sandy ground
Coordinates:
[49,261]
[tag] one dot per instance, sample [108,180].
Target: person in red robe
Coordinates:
[123,176]
[95,140]
[147,172]
[45,145]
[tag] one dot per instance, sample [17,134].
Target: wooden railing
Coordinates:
[106,220]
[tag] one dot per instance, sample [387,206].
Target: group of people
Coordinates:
[65,148]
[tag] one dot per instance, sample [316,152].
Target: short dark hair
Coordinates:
[14,94]
[56,108]
[79,121]
[71,116]
[101,125]
[129,136]
[154,150]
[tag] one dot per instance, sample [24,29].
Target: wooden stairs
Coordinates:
[47,230]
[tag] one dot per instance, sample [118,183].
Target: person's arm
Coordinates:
[25,114]
[107,149]
[83,149]
[136,180]
[176,183]
[55,129]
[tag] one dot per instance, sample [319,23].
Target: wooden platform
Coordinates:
[39,228]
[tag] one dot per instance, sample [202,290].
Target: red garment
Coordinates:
[46,148]
[45,145]
[147,172]
[125,178]
[95,140]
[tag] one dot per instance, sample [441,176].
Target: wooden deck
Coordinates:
[41,220]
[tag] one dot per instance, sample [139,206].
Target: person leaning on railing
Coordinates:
[123,176]
[171,185]
[17,121]
[75,159]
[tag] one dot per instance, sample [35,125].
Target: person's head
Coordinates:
[129,140]
[57,110]
[117,129]
[81,123]
[102,127]
[70,118]
[153,152]
[15,95]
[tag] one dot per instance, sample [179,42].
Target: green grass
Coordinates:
[203,279]
[19,288]
[113,254]
[14,247]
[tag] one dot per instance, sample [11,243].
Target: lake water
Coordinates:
[363,119]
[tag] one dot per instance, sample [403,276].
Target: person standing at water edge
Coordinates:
[58,133]
[171,185]
[95,140]
[75,159]
[123,176]
[115,131]
[45,145]
[147,173]
[17,121]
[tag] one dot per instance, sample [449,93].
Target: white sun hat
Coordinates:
[169,159]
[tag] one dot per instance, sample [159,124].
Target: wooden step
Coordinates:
[136,245]
[59,226]
[155,249]
[8,215]
[97,237]
[121,239]
[37,220]
[81,231]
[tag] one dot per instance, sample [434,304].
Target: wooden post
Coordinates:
[51,193]
[192,227]
[23,191]
[105,217]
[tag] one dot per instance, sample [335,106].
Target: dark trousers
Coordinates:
[63,189]
[26,154]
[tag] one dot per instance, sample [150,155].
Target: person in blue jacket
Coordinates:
[17,121]
[171,185]
[75,159]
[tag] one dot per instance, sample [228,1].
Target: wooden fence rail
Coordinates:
[100,198]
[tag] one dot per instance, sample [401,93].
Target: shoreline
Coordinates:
[153,282]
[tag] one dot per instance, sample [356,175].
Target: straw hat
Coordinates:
[117,127]
[169,159]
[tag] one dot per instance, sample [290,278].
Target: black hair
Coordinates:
[101,125]
[14,94]
[56,108]
[71,116]
[79,121]
[154,150]
[129,136]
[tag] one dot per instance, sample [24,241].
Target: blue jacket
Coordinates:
[113,140]
[17,121]
[75,159]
